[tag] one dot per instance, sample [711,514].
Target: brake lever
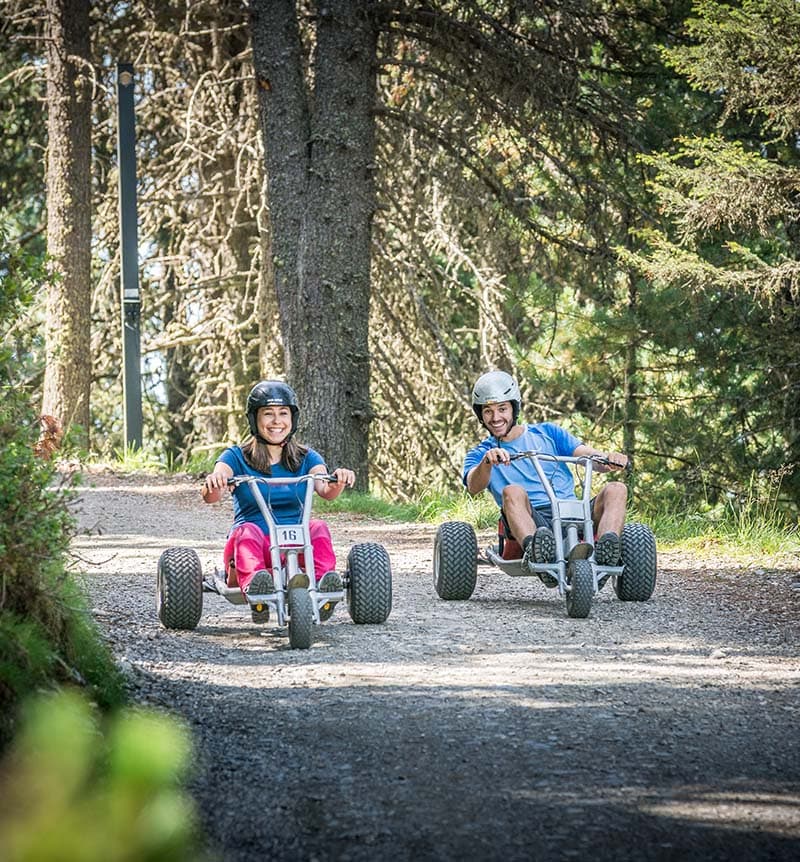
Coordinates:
[627,467]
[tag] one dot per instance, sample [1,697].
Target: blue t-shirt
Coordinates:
[544,437]
[286,501]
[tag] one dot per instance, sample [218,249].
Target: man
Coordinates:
[516,486]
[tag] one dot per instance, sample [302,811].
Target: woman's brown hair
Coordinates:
[256,454]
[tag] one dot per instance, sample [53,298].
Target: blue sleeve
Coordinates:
[233,457]
[564,442]
[474,457]
[312,459]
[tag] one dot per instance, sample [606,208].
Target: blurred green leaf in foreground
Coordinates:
[76,791]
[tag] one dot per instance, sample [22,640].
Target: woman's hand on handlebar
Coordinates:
[331,485]
[216,483]
[344,477]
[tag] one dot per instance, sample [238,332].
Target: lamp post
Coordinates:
[129,252]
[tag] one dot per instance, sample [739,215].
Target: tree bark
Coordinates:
[319,143]
[67,378]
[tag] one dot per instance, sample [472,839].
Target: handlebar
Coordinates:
[573,459]
[235,481]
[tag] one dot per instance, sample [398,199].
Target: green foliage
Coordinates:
[532,240]
[481,511]
[710,184]
[26,661]
[144,458]
[751,52]
[731,252]
[201,462]
[22,134]
[78,791]
[751,523]
[46,633]
[755,521]
[35,529]
[21,273]
[431,507]
[356,502]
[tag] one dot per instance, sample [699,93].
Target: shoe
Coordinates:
[261,584]
[330,582]
[527,554]
[532,551]
[581,551]
[607,549]
[298,581]
[544,545]
[548,579]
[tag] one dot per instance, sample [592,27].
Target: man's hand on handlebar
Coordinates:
[496,456]
[608,461]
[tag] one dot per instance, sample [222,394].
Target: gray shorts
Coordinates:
[542,517]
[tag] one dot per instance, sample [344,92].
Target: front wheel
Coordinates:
[301,618]
[580,588]
[369,583]
[638,578]
[179,591]
[455,561]
[260,613]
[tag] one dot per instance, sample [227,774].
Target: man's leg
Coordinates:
[538,542]
[608,515]
[517,509]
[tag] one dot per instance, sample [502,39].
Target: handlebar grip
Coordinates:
[627,467]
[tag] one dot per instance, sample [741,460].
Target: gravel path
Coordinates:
[493,729]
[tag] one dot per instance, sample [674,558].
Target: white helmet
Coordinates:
[492,388]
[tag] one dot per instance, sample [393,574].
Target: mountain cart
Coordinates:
[575,574]
[296,601]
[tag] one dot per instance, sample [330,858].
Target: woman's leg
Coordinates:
[231,575]
[322,543]
[250,552]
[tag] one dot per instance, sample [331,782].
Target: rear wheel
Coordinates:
[369,583]
[639,561]
[580,581]
[179,593]
[301,618]
[455,561]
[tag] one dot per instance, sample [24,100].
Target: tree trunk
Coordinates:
[319,153]
[68,369]
[631,381]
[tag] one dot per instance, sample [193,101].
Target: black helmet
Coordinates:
[492,388]
[269,393]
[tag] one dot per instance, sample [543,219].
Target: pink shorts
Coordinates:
[248,548]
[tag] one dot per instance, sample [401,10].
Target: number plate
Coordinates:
[290,536]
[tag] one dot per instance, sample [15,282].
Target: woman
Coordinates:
[271,451]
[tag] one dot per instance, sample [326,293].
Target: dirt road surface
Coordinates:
[492,729]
